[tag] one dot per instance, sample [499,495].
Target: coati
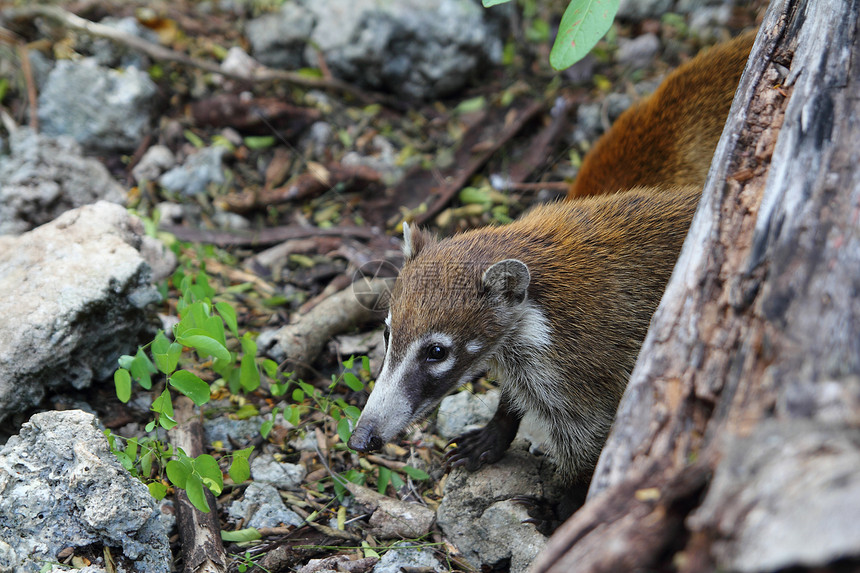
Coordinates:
[557,303]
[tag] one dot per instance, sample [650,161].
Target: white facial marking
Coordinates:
[474,346]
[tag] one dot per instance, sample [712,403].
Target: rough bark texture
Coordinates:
[737,443]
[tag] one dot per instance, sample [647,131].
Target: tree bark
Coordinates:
[737,444]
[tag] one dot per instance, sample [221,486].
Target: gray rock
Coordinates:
[641,9]
[638,52]
[410,47]
[464,411]
[262,506]
[102,108]
[264,468]
[200,170]
[407,554]
[43,177]
[478,518]
[154,162]
[76,290]
[279,40]
[60,486]
[222,429]
[239,62]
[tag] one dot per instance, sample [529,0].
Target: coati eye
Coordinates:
[435,353]
[386,335]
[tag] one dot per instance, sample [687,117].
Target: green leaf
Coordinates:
[125,461]
[177,473]
[489,3]
[397,481]
[239,470]
[163,404]
[205,346]
[194,139]
[383,479]
[150,426]
[141,368]
[471,105]
[249,375]
[191,385]
[146,462]
[122,382]
[298,394]
[228,313]
[344,430]
[166,422]
[365,363]
[583,24]
[196,495]
[210,473]
[266,428]
[259,141]
[349,362]
[353,382]
[293,417]
[352,412]
[160,346]
[240,535]
[270,367]
[157,489]
[131,448]
[415,473]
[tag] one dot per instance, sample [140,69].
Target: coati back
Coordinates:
[556,304]
[669,137]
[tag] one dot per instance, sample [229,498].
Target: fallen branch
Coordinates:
[202,550]
[298,344]
[157,52]
[269,236]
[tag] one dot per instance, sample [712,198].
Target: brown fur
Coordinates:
[598,269]
[558,302]
[669,138]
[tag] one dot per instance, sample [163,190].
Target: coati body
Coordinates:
[556,304]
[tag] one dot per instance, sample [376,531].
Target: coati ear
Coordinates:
[508,281]
[414,239]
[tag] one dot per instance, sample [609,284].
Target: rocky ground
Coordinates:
[277,146]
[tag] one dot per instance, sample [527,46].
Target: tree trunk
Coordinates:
[737,443]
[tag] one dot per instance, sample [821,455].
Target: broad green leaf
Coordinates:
[397,481]
[163,404]
[344,430]
[191,385]
[298,394]
[270,367]
[383,478]
[125,360]
[415,473]
[141,369]
[239,470]
[365,363]
[202,281]
[266,428]
[240,535]
[207,467]
[177,473]
[348,363]
[228,313]
[146,462]
[196,495]
[246,452]
[124,460]
[353,382]
[205,346]
[489,3]
[150,426]
[293,417]
[583,24]
[157,489]
[131,448]
[166,422]
[122,382]
[249,375]
[352,412]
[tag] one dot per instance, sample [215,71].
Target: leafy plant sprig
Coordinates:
[583,24]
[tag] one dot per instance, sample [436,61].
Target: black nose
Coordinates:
[364,439]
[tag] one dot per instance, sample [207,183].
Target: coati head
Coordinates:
[451,309]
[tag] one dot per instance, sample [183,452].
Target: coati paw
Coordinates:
[475,449]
